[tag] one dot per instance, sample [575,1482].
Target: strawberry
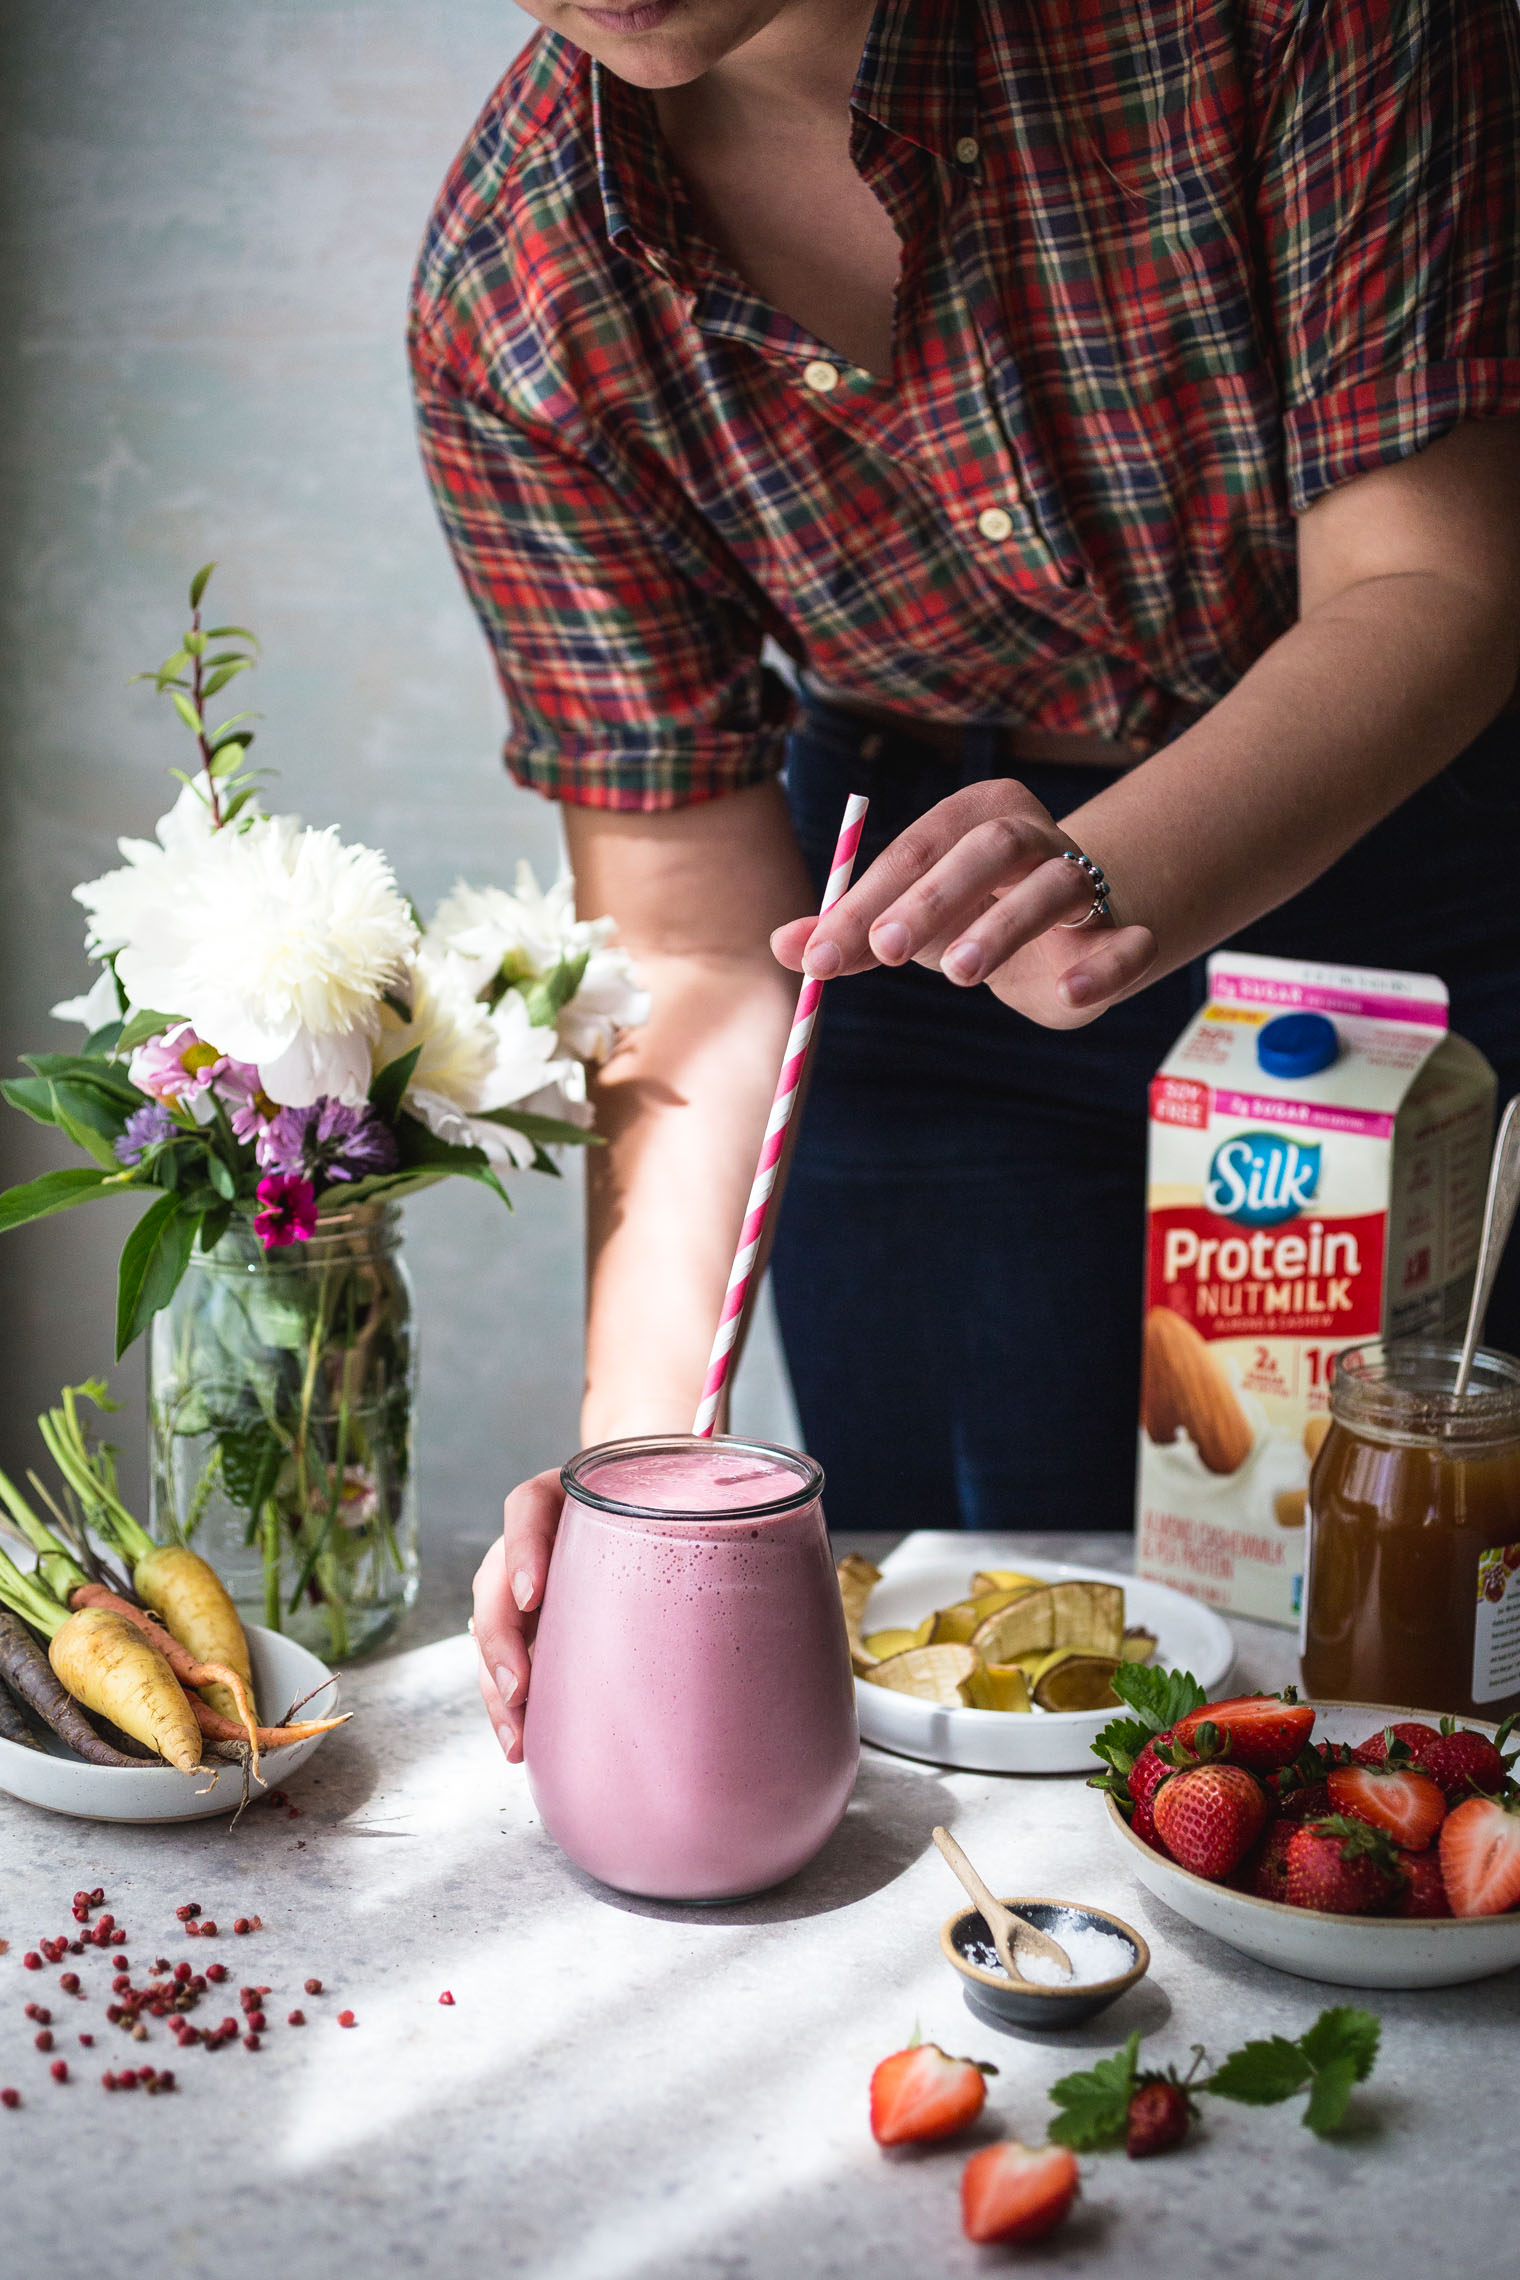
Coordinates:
[1414,1736]
[1160,2114]
[1209,1817]
[1460,1761]
[919,2093]
[1017,2192]
[1261,1731]
[1149,1771]
[1142,1823]
[1305,1802]
[1480,1855]
[1424,1892]
[1407,1804]
[1340,1865]
[1268,1865]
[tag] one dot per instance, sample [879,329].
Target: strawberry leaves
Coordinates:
[1158,1698]
[1328,2061]
[1095,2104]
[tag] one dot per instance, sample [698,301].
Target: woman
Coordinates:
[1110,415]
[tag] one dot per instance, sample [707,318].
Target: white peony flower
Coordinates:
[276,942]
[95,1008]
[455,1032]
[528,934]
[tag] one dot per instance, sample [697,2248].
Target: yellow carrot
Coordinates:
[113,1670]
[192,1599]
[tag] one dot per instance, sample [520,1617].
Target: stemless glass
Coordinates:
[690,1730]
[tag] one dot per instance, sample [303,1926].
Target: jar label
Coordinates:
[1496,1633]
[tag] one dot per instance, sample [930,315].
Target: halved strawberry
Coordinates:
[1424,1892]
[919,2093]
[1017,2192]
[1340,1865]
[1405,1803]
[1209,1817]
[1414,1736]
[1261,1731]
[1480,1855]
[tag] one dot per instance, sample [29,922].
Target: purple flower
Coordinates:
[289,1214]
[327,1142]
[146,1126]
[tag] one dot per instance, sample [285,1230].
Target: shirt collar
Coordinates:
[917,78]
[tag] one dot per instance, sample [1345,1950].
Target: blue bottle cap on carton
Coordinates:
[1298,1045]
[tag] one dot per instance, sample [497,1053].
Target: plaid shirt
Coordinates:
[1170,271]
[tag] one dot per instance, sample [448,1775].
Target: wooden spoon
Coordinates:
[1009,1932]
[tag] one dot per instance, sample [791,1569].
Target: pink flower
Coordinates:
[290,1211]
[249,1107]
[176,1067]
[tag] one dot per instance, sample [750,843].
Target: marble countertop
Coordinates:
[624,2090]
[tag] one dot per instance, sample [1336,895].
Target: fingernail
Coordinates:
[506,1684]
[522,1587]
[964,960]
[1079,989]
[505,1736]
[890,941]
[821,959]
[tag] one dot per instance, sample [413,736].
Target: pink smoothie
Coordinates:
[691,1719]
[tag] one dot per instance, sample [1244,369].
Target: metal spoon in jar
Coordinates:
[1009,1932]
[1498,1218]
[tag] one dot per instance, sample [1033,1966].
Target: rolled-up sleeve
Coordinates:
[1389,215]
[628,684]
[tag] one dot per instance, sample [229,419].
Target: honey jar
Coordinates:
[1412,1593]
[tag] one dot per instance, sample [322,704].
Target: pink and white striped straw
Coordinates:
[775,1136]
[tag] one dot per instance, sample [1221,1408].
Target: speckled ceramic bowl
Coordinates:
[1347,1951]
[1025,2005]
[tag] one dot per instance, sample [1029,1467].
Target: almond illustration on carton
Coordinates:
[1185,1390]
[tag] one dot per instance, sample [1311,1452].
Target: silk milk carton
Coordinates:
[1319,1146]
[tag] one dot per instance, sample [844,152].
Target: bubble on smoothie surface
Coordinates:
[1094,1955]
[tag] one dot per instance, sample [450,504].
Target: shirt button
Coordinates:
[820,377]
[968,150]
[995,523]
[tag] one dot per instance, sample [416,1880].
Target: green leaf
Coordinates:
[225,673]
[155,1255]
[389,1087]
[548,1131]
[187,712]
[102,1043]
[88,1122]
[1160,1697]
[1344,2032]
[398,1006]
[232,633]
[251,1457]
[54,1191]
[1261,2073]
[227,758]
[545,997]
[195,643]
[142,1025]
[1095,2105]
[167,671]
[421,1150]
[199,583]
[220,1177]
[1121,1742]
[32,1095]
[214,1225]
[103,1077]
[1330,2096]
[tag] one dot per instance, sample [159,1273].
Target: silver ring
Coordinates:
[1099,906]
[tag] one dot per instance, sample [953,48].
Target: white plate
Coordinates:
[53,1777]
[934,1569]
[1349,1951]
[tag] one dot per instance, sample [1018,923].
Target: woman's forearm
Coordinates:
[683,1105]
[1364,700]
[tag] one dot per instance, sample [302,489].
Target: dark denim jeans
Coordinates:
[958,1266]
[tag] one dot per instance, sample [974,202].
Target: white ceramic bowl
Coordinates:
[53,1777]
[1348,1951]
[933,1569]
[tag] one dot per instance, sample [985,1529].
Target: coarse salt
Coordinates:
[1095,1955]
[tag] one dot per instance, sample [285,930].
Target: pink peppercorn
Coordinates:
[257,2022]
[59,2070]
[346,2019]
[207,1930]
[447,1998]
[251,2042]
[44,2040]
[182,1972]
[313,1986]
[31,1961]
[69,1982]
[108,2081]
[242,1925]
[118,1939]
[10,2097]
[215,1971]
[190,1908]
[97,1895]
[296,2019]
[87,2042]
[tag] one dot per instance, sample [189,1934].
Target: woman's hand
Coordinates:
[979,889]
[509,1585]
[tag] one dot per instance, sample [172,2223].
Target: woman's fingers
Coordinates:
[789,941]
[1119,960]
[509,1585]
[1052,894]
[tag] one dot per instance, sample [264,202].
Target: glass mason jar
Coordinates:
[690,1729]
[280,1394]
[1412,1594]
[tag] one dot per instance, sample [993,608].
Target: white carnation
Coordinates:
[472,1059]
[526,935]
[276,942]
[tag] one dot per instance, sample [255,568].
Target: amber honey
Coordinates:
[1412,1594]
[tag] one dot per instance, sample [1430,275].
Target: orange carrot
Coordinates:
[219,1729]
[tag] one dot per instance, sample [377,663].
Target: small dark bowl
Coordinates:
[1046,2007]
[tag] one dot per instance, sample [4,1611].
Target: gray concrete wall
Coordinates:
[210,212]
